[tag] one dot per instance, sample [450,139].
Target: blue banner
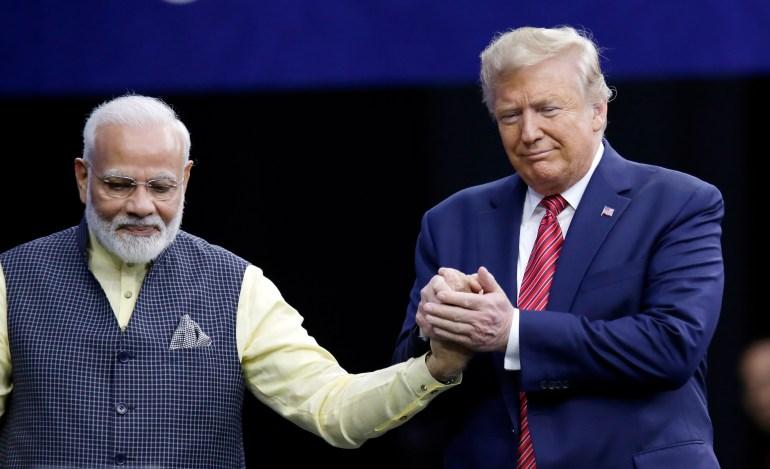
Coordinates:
[109,46]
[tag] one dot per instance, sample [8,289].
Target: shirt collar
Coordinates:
[572,195]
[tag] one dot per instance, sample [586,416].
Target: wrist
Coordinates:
[439,372]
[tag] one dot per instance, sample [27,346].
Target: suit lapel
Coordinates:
[499,244]
[498,235]
[498,249]
[600,208]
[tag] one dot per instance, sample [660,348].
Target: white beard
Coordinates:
[130,248]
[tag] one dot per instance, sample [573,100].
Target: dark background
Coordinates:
[322,183]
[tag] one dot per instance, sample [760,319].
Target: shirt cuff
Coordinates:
[512,359]
[424,388]
[420,380]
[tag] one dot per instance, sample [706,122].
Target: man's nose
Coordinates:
[530,127]
[140,203]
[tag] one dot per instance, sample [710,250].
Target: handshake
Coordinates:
[462,314]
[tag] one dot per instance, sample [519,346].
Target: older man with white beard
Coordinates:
[125,340]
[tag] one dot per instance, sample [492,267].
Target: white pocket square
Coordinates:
[188,334]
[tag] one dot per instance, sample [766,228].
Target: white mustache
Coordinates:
[153,221]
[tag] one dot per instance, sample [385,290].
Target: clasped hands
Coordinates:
[462,314]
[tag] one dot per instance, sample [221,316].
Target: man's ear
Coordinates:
[81,178]
[599,118]
[186,173]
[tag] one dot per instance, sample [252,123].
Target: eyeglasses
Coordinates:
[121,187]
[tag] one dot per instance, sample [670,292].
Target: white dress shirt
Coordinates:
[530,221]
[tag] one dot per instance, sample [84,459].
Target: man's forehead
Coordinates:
[140,145]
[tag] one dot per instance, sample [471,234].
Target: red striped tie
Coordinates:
[533,295]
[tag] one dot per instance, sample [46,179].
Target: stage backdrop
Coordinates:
[323,130]
[53,46]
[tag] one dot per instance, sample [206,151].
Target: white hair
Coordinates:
[522,47]
[135,111]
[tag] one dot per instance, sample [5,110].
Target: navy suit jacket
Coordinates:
[614,368]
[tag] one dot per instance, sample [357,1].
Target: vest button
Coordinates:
[123,356]
[128,294]
[121,408]
[120,459]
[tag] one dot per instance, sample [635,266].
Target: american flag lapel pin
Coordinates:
[607,211]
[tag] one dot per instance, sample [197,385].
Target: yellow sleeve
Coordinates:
[5,351]
[286,369]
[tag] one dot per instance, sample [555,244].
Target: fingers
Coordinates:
[443,326]
[447,317]
[449,331]
[436,284]
[459,281]
[473,281]
[479,322]
[453,278]
[451,337]
[487,281]
[461,308]
[472,301]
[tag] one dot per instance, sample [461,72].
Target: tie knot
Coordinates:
[554,204]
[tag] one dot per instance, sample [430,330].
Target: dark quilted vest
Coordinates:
[88,395]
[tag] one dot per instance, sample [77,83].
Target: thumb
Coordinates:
[487,281]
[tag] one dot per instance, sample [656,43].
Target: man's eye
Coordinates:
[161,187]
[509,118]
[549,111]
[119,186]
